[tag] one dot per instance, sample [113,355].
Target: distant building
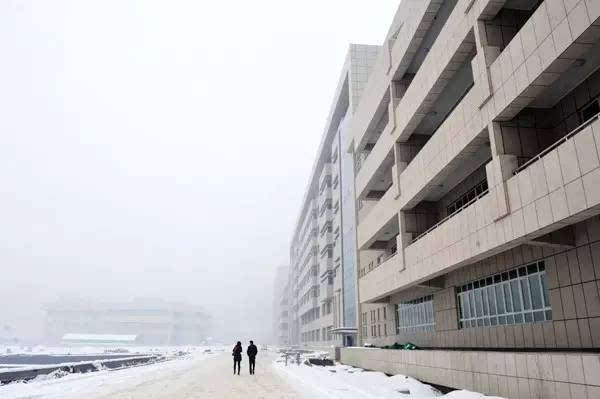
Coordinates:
[99,339]
[323,253]
[152,321]
[280,306]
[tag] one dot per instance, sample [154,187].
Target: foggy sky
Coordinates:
[162,148]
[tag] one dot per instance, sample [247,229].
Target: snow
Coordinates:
[87,385]
[347,382]
[208,375]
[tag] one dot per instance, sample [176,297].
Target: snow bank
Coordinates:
[346,382]
[105,381]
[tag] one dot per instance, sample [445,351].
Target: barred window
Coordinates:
[516,296]
[415,315]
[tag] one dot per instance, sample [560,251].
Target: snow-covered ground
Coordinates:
[106,381]
[209,375]
[346,382]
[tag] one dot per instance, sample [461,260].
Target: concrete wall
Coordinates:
[508,374]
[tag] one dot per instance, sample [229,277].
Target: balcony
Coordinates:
[544,61]
[443,61]
[559,187]
[459,141]
[380,216]
[380,281]
[381,156]
[395,59]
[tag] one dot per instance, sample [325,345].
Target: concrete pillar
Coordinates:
[486,54]
[498,171]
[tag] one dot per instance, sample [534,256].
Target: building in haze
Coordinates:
[280,307]
[152,321]
[477,183]
[323,269]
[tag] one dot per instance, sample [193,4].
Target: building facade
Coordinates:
[322,275]
[477,181]
[153,321]
[281,307]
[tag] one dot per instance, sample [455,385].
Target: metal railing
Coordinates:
[557,143]
[444,220]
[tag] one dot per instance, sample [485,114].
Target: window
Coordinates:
[589,111]
[512,297]
[385,330]
[378,314]
[464,199]
[384,314]
[415,315]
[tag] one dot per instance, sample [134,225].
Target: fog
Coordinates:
[162,148]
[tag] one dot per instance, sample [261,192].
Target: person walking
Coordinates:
[251,352]
[237,357]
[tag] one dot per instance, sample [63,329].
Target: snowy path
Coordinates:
[212,378]
[198,376]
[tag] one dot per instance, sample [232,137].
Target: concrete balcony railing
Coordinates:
[453,214]
[381,280]
[456,138]
[541,52]
[377,156]
[560,186]
[395,57]
[372,96]
[381,213]
[325,177]
[450,48]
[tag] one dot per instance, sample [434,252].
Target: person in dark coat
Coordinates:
[251,352]
[237,357]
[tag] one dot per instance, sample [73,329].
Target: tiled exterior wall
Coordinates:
[574,284]
[514,375]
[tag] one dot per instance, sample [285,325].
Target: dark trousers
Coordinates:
[238,363]
[252,363]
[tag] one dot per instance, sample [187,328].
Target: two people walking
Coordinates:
[252,351]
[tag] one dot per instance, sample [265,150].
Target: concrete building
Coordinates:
[280,307]
[477,145]
[322,276]
[152,321]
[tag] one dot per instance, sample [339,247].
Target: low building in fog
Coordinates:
[153,321]
[280,306]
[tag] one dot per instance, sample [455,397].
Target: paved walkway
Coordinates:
[210,378]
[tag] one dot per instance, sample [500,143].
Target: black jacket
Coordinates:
[252,351]
[237,352]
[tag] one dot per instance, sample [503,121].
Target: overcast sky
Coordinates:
[161,148]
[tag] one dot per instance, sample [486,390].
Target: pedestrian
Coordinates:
[251,352]
[237,357]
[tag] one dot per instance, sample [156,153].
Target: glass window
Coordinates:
[513,297]
[415,315]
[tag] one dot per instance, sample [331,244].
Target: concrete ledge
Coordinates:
[83,367]
[509,374]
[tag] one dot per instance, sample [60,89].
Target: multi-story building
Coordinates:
[280,307]
[322,275]
[152,321]
[477,143]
